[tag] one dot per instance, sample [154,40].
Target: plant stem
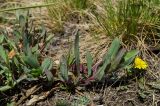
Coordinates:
[27,7]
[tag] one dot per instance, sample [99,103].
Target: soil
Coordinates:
[40,94]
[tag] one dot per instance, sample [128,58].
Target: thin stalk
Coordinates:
[27,7]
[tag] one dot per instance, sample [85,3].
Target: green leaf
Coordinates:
[128,58]
[32,61]
[26,43]
[4,67]
[108,58]
[17,36]
[4,55]
[22,21]
[112,52]
[16,62]
[5,88]
[70,58]
[1,38]
[64,68]
[47,65]
[2,71]
[11,44]
[89,63]
[43,33]
[35,48]
[130,54]
[99,75]
[36,72]
[48,39]
[116,61]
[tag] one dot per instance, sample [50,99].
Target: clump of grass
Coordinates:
[129,17]
[62,9]
[80,4]
[57,12]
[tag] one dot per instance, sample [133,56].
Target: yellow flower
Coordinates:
[139,63]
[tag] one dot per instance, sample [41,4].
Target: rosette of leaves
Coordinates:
[27,61]
[33,43]
[72,71]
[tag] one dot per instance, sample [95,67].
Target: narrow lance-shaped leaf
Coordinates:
[22,20]
[108,57]
[47,65]
[70,58]
[5,88]
[48,39]
[115,63]
[2,38]
[43,32]
[11,44]
[112,52]
[31,60]
[64,68]
[128,58]
[89,63]
[4,55]
[26,48]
